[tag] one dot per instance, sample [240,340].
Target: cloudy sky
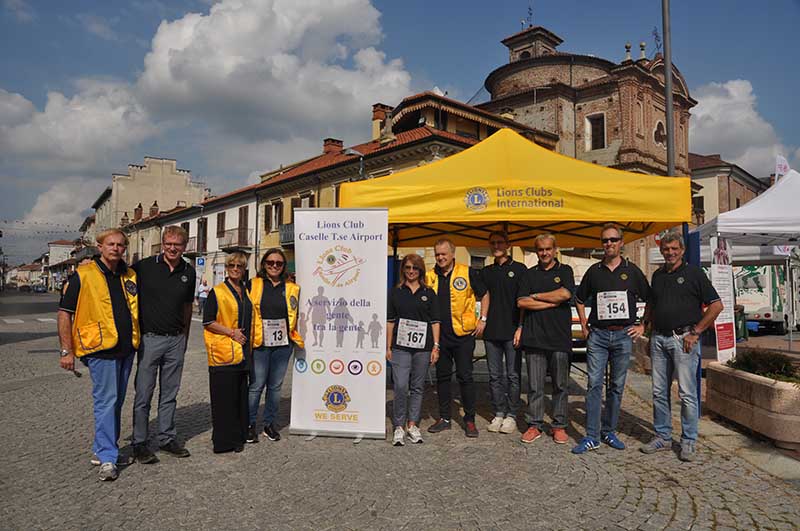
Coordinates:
[232,88]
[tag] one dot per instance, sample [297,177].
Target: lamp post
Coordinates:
[351,151]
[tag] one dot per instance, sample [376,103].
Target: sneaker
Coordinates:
[560,436]
[656,444]
[688,451]
[611,439]
[122,460]
[531,434]
[174,448]
[95,461]
[494,426]
[142,454]
[440,425]
[586,445]
[470,430]
[414,435]
[399,435]
[108,472]
[271,433]
[252,436]
[509,425]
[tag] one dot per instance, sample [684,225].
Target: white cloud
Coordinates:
[74,134]
[98,26]
[20,9]
[726,121]
[66,201]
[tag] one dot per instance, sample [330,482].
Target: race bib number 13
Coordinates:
[275,333]
[612,305]
[412,334]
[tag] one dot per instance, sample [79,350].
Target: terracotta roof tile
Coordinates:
[698,162]
[62,242]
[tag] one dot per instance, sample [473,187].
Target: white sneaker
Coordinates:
[509,425]
[108,472]
[495,425]
[399,435]
[414,435]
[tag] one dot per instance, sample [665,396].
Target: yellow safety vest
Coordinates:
[292,303]
[462,298]
[223,350]
[93,326]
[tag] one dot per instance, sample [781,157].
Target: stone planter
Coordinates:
[764,405]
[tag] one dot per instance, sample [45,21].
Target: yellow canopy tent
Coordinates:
[507,182]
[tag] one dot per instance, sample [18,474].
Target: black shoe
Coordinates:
[252,436]
[271,433]
[239,449]
[175,449]
[143,454]
[440,425]
[470,429]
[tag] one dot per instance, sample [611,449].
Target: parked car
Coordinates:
[25,287]
[40,288]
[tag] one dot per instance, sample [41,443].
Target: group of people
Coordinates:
[432,319]
[110,312]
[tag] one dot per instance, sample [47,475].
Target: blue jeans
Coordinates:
[503,377]
[408,372]
[604,347]
[269,368]
[109,383]
[668,357]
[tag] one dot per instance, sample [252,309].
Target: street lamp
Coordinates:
[351,151]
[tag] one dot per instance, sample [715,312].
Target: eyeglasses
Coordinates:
[610,240]
[411,268]
[178,245]
[235,266]
[274,263]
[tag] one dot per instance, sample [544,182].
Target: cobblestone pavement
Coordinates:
[449,482]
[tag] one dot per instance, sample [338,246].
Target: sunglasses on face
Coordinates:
[274,263]
[411,268]
[610,240]
[235,266]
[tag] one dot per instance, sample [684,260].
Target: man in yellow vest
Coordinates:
[457,287]
[98,323]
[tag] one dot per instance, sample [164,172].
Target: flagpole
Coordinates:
[668,88]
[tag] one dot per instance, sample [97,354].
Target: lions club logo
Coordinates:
[680,280]
[624,276]
[477,199]
[338,266]
[184,279]
[510,274]
[336,398]
[557,280]
[459,283]
[130,287]
[293,302]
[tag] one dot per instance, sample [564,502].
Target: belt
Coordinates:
[676,331]
[170,334]
[614,328]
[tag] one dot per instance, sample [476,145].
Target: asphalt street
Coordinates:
[449,482]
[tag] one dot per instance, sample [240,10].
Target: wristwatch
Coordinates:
[483,318]
[64,352]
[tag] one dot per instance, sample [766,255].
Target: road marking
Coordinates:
[197,320]
[46,320]
[13,321]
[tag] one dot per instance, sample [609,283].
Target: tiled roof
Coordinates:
[327,160]
[30,267]
[698,162]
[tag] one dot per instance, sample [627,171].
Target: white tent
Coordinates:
[773,218]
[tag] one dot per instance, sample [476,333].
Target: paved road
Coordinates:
[449,482]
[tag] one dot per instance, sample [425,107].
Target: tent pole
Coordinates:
[789,297]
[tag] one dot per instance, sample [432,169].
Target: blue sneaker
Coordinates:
[611,439]
[585,445]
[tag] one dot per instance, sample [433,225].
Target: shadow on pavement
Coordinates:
[9,338]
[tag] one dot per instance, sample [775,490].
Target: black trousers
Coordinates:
[228,409]
[458,351]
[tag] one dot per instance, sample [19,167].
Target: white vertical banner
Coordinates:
[722,279]
[339,382]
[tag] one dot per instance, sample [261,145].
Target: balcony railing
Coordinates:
[286,233]
[155,249]
[191,247]
[235,239]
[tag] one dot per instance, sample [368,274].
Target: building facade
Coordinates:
[725,186]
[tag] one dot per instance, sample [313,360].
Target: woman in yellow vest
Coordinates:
[227,323]
[275,301]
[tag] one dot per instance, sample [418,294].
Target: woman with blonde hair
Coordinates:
[275,301]
[412,344]
[228,333]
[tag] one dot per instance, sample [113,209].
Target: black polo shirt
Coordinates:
[678,297]
[420,306]
[443,294]
[244,312]
[163,294]
[119,309]
[549,329]
[599,278]
[502,282]
[273,301]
